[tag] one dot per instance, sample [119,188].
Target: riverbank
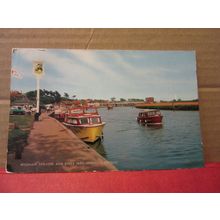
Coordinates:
[190,106]
[53,148]
[19,130]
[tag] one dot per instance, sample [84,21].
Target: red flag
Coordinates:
[16,74]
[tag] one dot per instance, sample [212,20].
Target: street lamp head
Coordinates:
[38,68]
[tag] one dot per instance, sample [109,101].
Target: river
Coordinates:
[130,146]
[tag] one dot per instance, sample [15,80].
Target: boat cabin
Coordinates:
[150,117]
[88,120]
[149,113]
[83,116]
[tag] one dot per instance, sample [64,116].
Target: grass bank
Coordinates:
[20,126]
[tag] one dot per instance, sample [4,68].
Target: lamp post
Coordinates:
[38,94]
[38,70]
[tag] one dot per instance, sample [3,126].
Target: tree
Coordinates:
[122,100]
[46,97]
[32,95]
[135,100]
[57,96]
[113,99]
[66,95]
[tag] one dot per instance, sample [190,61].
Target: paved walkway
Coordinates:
[53,148]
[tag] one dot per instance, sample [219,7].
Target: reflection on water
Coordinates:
[155,126]
[98,147]
[175,144]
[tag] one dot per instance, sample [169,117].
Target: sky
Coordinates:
[102,74]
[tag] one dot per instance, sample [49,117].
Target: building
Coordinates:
[149,100]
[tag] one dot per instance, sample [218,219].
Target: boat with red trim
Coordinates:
[85,122]
[150,117]
[109,107]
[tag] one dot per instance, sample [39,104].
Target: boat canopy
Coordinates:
[150,112]
[80,111]
[76,111]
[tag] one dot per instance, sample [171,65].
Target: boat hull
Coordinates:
[60,117]
[155,120]
[90,133]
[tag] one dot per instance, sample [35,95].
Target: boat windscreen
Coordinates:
[157,113]
[95,120]
[151,113]
[84,121]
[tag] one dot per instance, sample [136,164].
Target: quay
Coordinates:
[53,148]
[170,105]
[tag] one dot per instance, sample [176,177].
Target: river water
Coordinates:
[130,146]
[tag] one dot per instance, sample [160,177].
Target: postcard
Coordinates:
[103,110]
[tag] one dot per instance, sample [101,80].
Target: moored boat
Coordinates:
[85,122]
[109,107]
[150,117]
[59,114]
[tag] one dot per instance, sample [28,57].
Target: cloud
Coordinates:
[93,73]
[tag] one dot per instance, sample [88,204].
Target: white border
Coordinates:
[110,13]
[109,207]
